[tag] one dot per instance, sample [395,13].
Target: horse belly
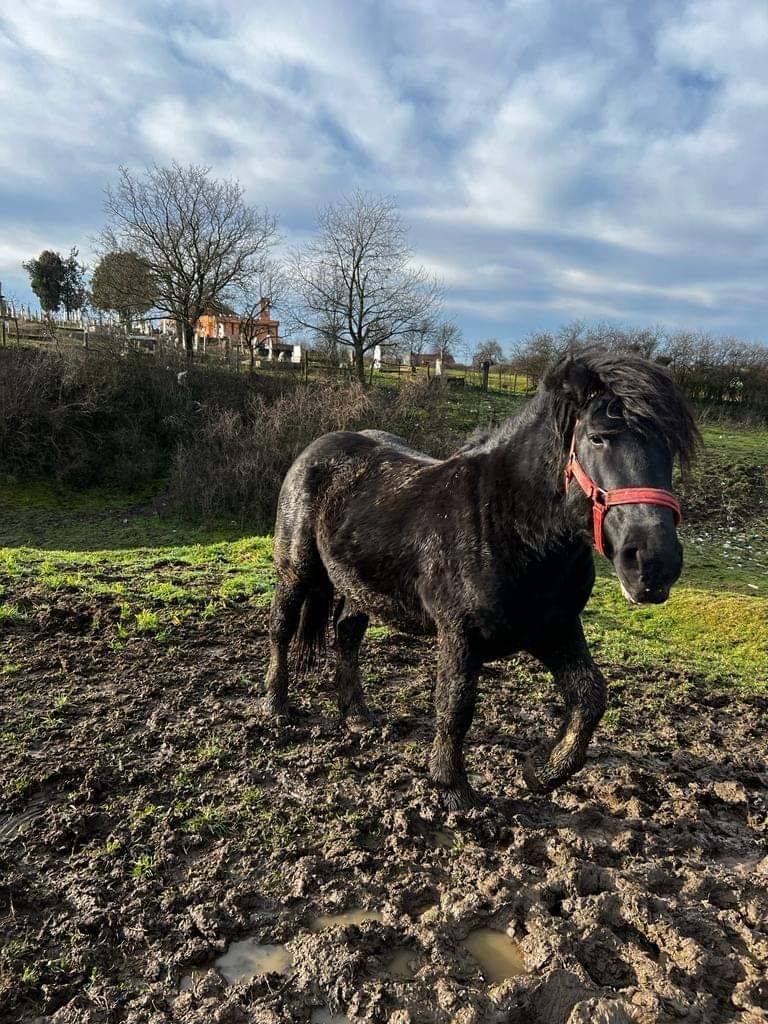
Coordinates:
[401,610]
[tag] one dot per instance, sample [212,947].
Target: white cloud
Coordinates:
[554,160]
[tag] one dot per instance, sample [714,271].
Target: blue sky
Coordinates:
[555,160]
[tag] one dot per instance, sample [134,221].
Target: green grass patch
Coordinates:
[722,638]
[749,443]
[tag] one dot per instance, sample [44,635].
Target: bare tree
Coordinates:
[265,291]
[197,236]
[448,339]
[420,337]
[488,352]
[355,278]
[535,353]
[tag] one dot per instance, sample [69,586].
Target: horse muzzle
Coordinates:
[647,573]
[642,594]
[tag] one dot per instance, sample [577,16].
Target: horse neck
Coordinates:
[524,478]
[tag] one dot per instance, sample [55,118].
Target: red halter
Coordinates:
[602,500]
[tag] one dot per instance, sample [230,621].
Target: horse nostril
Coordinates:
[630,556]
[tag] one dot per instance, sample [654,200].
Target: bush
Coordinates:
[223,440]
[235,461]
[103,418]
[718,490]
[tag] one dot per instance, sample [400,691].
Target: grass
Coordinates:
[721,639]
[97,546]
[731,442]
[158,569]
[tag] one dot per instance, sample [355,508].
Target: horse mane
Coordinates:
[638,391]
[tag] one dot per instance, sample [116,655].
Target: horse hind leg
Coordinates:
[283,622]
[349,629]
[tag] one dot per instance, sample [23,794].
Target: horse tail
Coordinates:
[312,631]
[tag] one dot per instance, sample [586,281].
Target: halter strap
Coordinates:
[602,500]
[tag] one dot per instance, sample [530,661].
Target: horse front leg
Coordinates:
[455,696]
[583,688]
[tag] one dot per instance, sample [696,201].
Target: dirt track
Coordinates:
[156,816]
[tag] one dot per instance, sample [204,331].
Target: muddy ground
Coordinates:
[153,815]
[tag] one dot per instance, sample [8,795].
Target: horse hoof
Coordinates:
[462,798]
[280,710]
[360,716]
[532,780]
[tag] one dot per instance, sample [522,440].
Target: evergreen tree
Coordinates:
[47,274]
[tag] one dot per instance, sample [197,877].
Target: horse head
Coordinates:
[622,422]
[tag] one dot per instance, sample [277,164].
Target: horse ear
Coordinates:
[572,379]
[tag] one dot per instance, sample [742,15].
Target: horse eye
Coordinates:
[597,440]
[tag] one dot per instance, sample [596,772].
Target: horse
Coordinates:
[489,549]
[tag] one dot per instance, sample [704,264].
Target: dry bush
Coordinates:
[235,462]
[110,417]
[126,419]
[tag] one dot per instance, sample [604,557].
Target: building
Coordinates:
[222,329]
[224,325]
[430,358]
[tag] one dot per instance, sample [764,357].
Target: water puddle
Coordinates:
[322,1016]
[400,964]
[444,838]
[358,916]
[245,960]
[499,957]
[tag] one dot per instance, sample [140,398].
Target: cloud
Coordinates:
[554,160]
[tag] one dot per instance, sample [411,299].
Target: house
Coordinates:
[224,325]
[430,358]
[222,328]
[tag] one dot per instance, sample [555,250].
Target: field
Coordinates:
[151,815]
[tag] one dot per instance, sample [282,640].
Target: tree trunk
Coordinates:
[189,341]
[360,364]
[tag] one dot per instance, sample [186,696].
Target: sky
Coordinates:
[599,160]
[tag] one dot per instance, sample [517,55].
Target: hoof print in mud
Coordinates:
[282,714]
[361,719]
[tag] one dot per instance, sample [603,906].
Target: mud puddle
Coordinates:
[245,960]
[323,922]
[322,1016]
[402,964]
[498,956]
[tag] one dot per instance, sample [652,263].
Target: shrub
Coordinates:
[236,460]
[103,418]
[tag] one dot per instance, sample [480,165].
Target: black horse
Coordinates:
[489,548]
